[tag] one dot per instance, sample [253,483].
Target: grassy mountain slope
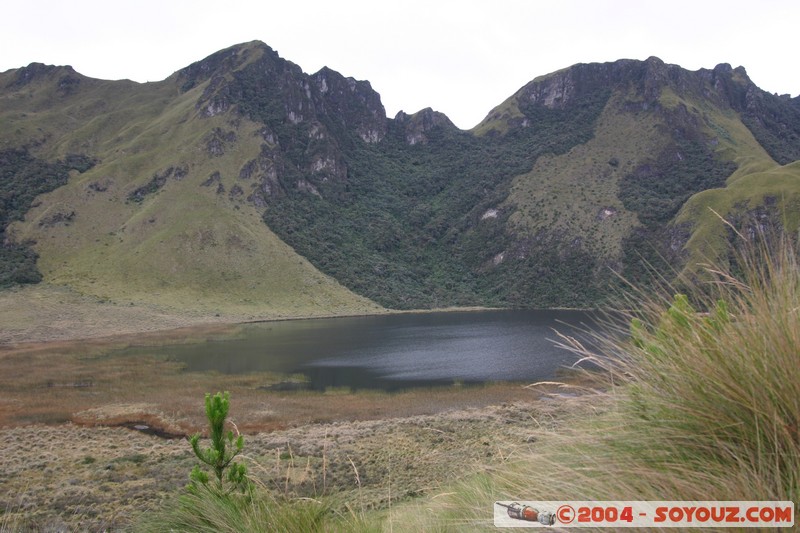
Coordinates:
[669,146]
[759,200]
[760,196]
[576,194]
[161,217]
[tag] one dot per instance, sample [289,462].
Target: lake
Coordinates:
[392,352]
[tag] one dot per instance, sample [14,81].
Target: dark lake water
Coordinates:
[393,351]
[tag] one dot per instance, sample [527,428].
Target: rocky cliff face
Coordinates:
[307,120]
[643,81]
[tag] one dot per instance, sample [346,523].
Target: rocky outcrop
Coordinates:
[308,120]
[774,120]
[416,126]
[351,104]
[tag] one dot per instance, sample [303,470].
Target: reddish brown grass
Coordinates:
[77,381]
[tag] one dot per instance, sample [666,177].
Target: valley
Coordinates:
[242,189]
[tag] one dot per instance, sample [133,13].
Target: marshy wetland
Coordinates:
[97,425]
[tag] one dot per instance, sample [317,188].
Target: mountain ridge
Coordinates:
[235,156]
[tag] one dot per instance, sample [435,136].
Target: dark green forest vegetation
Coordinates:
[405,228]
[23,177]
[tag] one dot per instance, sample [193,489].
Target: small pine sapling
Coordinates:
[224,448]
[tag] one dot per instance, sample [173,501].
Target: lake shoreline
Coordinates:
[34,316]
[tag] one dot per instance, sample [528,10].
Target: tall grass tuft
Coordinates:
[207,508]
[712,380]
[703,402]
[710,399]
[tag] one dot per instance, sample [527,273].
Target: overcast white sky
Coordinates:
[461,57]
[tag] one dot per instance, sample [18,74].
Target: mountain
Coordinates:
[241,182]
[158,213]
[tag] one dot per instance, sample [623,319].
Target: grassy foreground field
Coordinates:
[72,477]
[75,460]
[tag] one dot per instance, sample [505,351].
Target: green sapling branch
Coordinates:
[223,450]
